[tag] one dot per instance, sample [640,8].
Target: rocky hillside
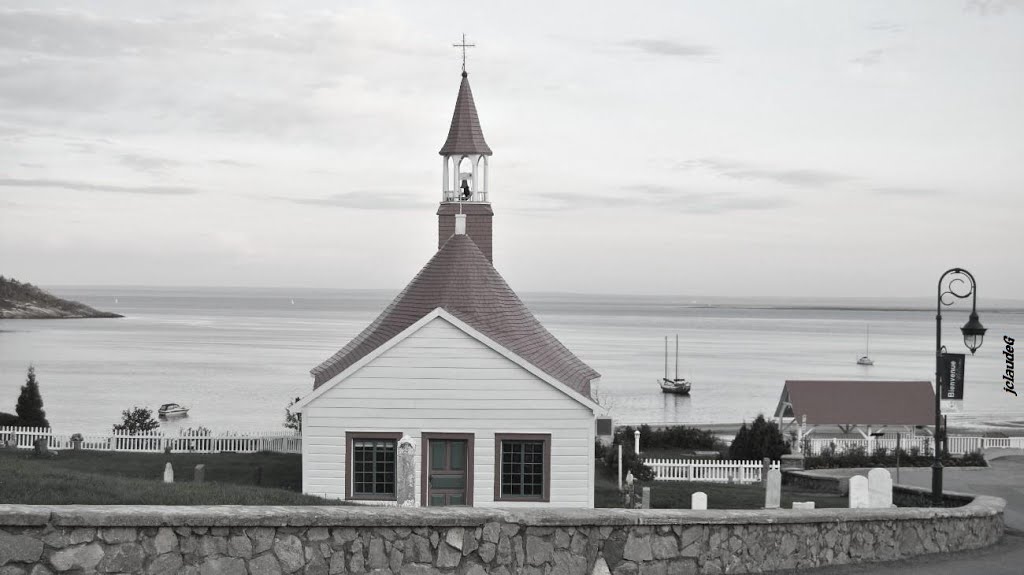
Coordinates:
[25,301]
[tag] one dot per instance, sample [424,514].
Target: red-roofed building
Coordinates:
[864,407]
[500,412]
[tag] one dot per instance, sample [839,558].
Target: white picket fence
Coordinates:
[715,471]
[158,441]
[958,445]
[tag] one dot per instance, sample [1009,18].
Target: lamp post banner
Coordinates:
[951,377]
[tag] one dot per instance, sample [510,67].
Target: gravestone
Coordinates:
[41,446]
[645,498]
[773,489]
[699,501]
[766,465]
[879,488]
[803,505]
[168,473]
[200,473]
[405,472]
[859,498]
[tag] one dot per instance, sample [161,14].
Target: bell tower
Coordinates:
[466,172]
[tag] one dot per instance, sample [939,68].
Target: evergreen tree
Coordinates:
[762,439]
[30,403]
[740,444]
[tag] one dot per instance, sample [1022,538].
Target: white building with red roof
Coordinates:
[500,412]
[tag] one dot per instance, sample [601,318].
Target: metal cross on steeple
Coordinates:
[463,45]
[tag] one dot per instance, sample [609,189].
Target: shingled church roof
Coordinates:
[465,135]
[460,280]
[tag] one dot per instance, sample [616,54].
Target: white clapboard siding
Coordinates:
[442,380]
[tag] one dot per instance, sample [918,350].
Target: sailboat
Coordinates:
[677,385]
[865,360]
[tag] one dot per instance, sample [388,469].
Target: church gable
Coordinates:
[441,352]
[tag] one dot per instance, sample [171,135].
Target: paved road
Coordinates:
[1004,478]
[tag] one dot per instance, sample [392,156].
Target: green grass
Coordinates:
[102,478]
[676,494]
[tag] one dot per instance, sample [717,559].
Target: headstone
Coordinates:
[405,478]
[200,473]
[803,505]
[859,498]
[766,464]
[879,488]
[168,473]
[645,498]
[699,501]
[773,490]
[41,446]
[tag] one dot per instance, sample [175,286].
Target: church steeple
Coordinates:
[466,171]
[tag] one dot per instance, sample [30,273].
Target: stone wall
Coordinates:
[338,540]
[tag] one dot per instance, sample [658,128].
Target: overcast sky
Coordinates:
[707,148]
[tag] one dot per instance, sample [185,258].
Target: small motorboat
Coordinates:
[864,359]
[171,410]
[678,385]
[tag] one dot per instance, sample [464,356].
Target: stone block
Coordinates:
[168,473]
[699,501]
[288,549]
[487,551]
[223,566]
[491,532]
[166,564]
[20,548]
[665,547]
[119,534]
[240,546]
[84,557]
[803,505]
[538,550]
[638,548]
[165,541]
[376,555]
[267,565]
[123,558]
[447,556]
[454,537]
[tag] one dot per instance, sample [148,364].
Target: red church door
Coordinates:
[448,469]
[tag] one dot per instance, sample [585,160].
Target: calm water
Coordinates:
[237,356]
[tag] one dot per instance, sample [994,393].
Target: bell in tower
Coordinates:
[466,172]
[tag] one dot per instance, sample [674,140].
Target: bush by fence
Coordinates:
[674,437]
[858,456]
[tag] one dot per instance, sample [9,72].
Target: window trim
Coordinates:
[425,461]
[501,437]
[350,437]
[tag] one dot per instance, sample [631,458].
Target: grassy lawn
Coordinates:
[676,494]
[102,478]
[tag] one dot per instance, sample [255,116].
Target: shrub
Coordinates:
[857,456]
[292,420]
[762,439]
[674,437]
[136,420]
[30,403]
[631,462]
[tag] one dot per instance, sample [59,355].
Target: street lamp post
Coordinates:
[973,333]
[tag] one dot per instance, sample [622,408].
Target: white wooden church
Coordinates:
[501,412]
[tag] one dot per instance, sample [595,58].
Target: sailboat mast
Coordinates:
[666,358]
[867,340]
[677,357]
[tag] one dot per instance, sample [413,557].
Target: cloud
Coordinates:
[908,191]
[92,187]
[371,200]
[869,58]
[992,7]
[148,164]
[653,196]
[668,48]
[793,177]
